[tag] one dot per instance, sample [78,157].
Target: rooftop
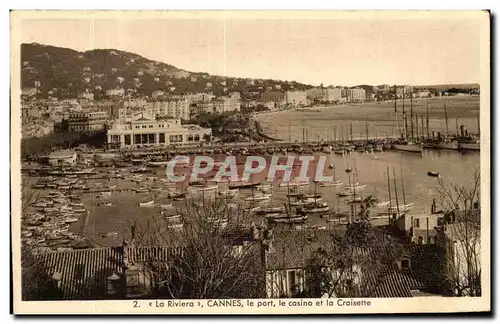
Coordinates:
[83,273]
[62,154]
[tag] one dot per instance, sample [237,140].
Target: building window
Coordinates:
[196,138]
[144,138]
[150,126]
[143,126]
[405,264]
[136,126]
[151,138]
[417,223]
[137,139]
[127,139]
[190,138]
[161,138]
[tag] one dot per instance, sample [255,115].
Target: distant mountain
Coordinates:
[65,73]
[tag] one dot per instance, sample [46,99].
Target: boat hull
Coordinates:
[408,147]
[453,145]
[470,146]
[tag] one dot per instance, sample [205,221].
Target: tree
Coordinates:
[33,276]
[461,235]
[216,258]
[354,255]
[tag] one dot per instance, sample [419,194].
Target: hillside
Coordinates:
[64,73]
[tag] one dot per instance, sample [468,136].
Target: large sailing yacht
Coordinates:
[404,144]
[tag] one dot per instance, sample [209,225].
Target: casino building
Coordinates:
[144,131]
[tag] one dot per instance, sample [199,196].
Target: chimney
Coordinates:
[113,284]
[56,279]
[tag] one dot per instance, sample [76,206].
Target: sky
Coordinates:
[333,50]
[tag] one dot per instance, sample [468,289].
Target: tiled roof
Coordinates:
[84,272]
[391,284]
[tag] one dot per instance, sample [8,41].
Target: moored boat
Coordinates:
[259,197]
[146,204]
[448,145]
[70,220]
[407,147]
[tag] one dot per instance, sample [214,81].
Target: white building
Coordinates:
[356,95]
[324,95]
[81,121]
[296,98]
[177,108]
[224,104]
[144,131]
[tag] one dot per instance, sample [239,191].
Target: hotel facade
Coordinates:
[149,132]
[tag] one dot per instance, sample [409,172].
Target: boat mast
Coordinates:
[351,129]
[446,118]
[404,114]
[411,112]
[367,133]
[427,117]
[403,186]
[422,128]
[334,134]
[395,190]
[416,126]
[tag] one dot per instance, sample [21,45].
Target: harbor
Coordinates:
[121,191]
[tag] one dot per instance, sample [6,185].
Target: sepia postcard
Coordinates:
[250,162]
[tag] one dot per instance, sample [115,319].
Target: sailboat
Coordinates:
[403,144]
[333,183]
[401,208]
[446,142]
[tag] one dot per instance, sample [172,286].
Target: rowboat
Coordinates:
[165,206]
[433,174]
[203,188]
[146,204]
[175,226]
[355,186]
[288,219]
[173,217]
[294,183]
[258,197]
[345,193]
[157,163]
[79,210]
[71,220]
[331,183]
[76,204]
[271,209]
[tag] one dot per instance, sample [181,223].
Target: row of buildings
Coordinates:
[147,131]
[280,264]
